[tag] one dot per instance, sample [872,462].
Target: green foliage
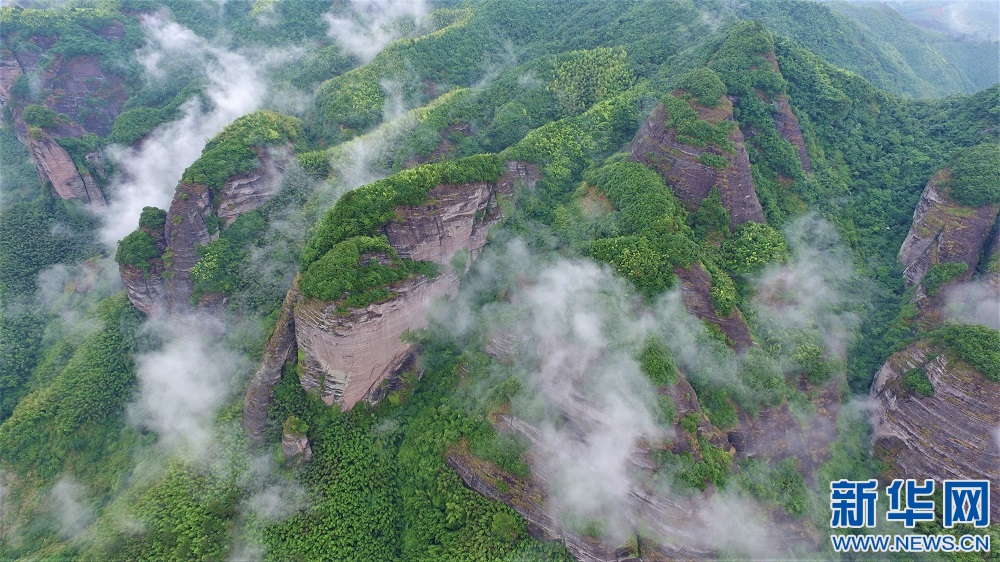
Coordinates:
[40,116]
[941,273]
[186,516]
[752,246]
[137,249]
[295,426]
[978,346]
[232,151]
[363,211]
[76,420]
[584,78]
[152,218]
[716,466]
[133,124]
[696,131]
[975,175]
[723,292]
[358,272]
[689,422]
[781,484]
[917,381]
[316,163]
[704,84]
[20,339]
[20,180]
[657,364]
[38,234]
[711,220]
[654,222]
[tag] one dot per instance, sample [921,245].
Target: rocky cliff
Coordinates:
[657,146]
[696,287]
[345,356]
[56,167]
[279,350]
[944,231]
[951,434]
[168,284]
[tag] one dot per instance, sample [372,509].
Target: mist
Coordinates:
[974,302]
[370,25]
[149,171]
[72,514]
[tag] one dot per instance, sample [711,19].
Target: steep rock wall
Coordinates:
[344,357]
[944,231]
[788,127]
[55,166]
[951,434]
[696,287]
[279,350]
[168,285]
[657,146]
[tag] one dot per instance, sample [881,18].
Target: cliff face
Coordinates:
[656,146]
[944,231]
[168,285]
[55,166]
[696,286]
[948,435]
[279,350]
[345,357]
[788,127]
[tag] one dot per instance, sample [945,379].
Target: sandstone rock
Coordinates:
[56,166]
[294,443]
[277,352]
[788,127]
[10,70]
[245,192]
[345,357]
[696,286]
[951,434]
[944,231]
[657,146]
[186,229]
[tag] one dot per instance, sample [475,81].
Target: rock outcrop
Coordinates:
[657,146]
[944,231]
[951,434]
[168,286]
[279,350]
[788,127]
[56,167]
[345,356]
[294,443]
[696,287]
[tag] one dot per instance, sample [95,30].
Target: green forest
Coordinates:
[489,279]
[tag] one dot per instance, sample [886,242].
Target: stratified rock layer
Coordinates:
[657,146]
[944,231]
[951,434]
[279,349]
[696,287]
[345,356]
[56,166]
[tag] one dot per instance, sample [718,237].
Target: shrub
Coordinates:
[136,249]
[941,273]
[39,116]
[975,175]
[752,246]
[704,84]
[152,218]
[657,363]
[978,346]
[917,381]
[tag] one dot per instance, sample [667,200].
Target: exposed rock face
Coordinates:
[944,231]
[9,71]
[78,78]
[788,127]
[951,434]
[345,357]
[168,286]
[186,229]
[277,352]
[245,192]
[295,447]
[696,286]
[657,146]
[56,166]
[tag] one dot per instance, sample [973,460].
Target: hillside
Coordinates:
[488,280]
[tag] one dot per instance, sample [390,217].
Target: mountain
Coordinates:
[490,280]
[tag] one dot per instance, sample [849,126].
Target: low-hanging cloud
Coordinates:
[370,25]
[974,302]
[182,384]
[72,513]
[149,172]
